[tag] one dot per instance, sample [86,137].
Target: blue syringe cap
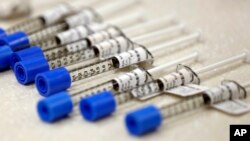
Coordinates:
[26,54]
[16,41]
[26,71]
[54,81]
[5,54]
[143,120]
[2,33]
[98,106]
[55,107]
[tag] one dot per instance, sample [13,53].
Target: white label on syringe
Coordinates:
[73,34]
[77,46]
[223,93]
[131,80]
[132,57]
[103,35]
[235,91]
[79,32]
[114,46]
[182,77]
[54,15]
[84,17]
[146,91]
[232,107]
[82,44]
[218,94]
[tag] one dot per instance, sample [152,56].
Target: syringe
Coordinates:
[27,41]
[131,79]
[108,33]
[27,53]
[23,8]
[75,47]
[82,31]
[149,118]
[86,23]
[182,76]
[121,44]
[92,108]
[51,16]
[49,83]
[49,109]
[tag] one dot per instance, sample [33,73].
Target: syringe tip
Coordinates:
[26,54]
[143,120]
[5,52]
[198,34]
[26,71]
[54,81]
[55,107]
[98,106]
[198,54]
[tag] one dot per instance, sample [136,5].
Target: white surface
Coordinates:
[225,25]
